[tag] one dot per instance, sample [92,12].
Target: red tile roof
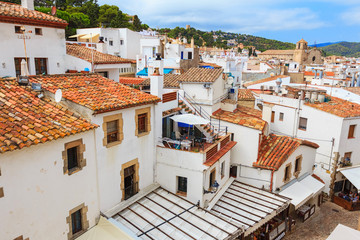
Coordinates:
[15,13]
[274,150]
[200,75]
[170,81]
[95,92]
[220,154]
[338,107]
[245,94]
[131,80]
[88,54]
[355,90]
[264,80]
[244,116]
[27,120]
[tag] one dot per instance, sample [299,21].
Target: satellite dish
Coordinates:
[53,10]
[58,95]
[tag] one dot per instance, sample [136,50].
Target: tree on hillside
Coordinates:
[111,16]
[136,24]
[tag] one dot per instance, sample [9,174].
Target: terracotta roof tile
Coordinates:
[132,80]
[198,75]
[338,107]
[170,81]
[26,120]
[86,54]
[15,13]
[274,150]
[264,80]
[245,94]
[220,153]
[355,90]
[94,91]
[244,116]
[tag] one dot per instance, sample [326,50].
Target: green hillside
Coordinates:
[207,38]
[348,49]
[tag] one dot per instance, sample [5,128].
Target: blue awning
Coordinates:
[207,67]
[180,124]
[168,70]
[144,72]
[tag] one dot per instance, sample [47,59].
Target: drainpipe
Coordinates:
[271,180]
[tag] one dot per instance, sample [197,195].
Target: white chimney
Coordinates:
[29,4]
[157,77]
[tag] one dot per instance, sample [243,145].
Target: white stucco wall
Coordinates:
[50,45]
[308,159]
[111,159]
[39,196]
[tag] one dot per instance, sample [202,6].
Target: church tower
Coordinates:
[300,51]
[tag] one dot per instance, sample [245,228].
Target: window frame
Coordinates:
[120,135]
[351,131]
[17,29]
[40,33]
[287,173]
[281,116]
[212,179]
[39,64]
[17,64]
[222,169]
[298,165]
[84,221]
[135,163]
[139,112]
[178,182]
[302,127]
[81,161]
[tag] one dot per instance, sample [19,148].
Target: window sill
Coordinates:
[143,134]
[351,137]
[183,194]
[302,129]
[73,171]
[113,144]
[76,235]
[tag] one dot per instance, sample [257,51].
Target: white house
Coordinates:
[121,42]
[48,179]
[309,114]
[125,139]
[80,58]
[23,30]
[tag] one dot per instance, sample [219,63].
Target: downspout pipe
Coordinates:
[271,180]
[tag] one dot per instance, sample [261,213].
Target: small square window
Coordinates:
[110,42]
[38,31]
[182,185]
[72,156]
[76,222]
[303,123]
[112,131]
[18,29]
[121,42]
[281,116]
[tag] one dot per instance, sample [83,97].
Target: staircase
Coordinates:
[210,130]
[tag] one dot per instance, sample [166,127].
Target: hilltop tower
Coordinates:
[300,51]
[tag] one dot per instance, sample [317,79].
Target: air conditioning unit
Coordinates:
[207,85]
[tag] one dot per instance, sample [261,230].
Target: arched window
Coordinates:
[313,59]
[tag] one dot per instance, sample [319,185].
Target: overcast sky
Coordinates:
[285,20]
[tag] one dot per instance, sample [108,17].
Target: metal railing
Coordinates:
[214,124]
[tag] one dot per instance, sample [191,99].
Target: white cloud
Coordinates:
[351,17]
[228,15]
